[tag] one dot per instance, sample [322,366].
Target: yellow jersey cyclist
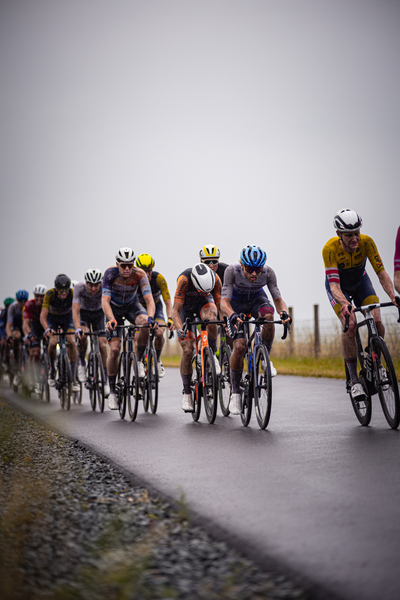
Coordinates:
[14,331]
[87,311]
[57,312]
[120,301]
[198,293]
[346,279]
[33,331]
[243,292]
[159,289]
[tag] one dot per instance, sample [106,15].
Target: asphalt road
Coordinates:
[315,494]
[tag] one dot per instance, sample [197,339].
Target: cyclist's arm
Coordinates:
[280,306]
[26,326]
[8,329]
[227,291]
[43,318]
[106,306]
[387,285]
[340,298]
[150,306]
[76,314]
[168,308]
[176,314]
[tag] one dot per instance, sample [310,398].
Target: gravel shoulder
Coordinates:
[73,526]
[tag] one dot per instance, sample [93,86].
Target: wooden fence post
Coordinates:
[291,335]
[317,346]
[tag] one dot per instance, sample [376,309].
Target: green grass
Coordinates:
[304,366]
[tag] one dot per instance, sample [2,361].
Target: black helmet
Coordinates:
[62,282]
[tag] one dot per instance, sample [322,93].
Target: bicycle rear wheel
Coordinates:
[66,382]
[152,381]
[132,385]
[247,401]
[91,381]
[144,383]
[224,379]
[362,405]
[44,379]
[99,381]
[262,387]
[210,388]
[120,387]
[197,389]
[386,383]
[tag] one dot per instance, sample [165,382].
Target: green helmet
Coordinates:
[8,301]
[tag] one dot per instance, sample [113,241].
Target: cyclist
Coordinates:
[210,255]
[57,312]
[345,256]
[119,301]
[14,327]
[243,292]
[198,293]
[33,330]
[397,262]
[5,350]
[87,311]
[159,287]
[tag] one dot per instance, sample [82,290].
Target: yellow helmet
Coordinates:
[144,261]
[209,251]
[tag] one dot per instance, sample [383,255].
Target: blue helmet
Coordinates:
[253,256]
[22,295]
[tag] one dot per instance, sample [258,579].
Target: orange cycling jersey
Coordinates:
[346,268]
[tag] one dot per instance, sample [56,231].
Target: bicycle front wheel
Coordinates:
[386,383]
[197,389]
[152,381]
[99,381]
[210,386]
[225,379]
[120,387]
[247,399]
[66,382]
[90,381]
[262,387]
[132,385]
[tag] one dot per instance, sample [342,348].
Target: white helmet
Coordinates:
[73,283]
[93,276]
[125,255]
[203,278]
[347,220]
[40,289]
[209,251]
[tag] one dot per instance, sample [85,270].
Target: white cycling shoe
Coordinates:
[356,390]
[75,387]
[81,373]
[187,403]
[217,366]
[161,370]
[106,390]
[235,404]
[141,371]
[112,402]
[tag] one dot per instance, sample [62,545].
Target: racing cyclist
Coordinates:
[159,288]
[14,331]
[119,301]
[33,331]
[345,256]
[57,312]
[243,292]
[397,262]
[87,311]
[198,293]
[5,350]
[210,256]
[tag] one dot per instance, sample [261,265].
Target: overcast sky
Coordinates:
[164,125]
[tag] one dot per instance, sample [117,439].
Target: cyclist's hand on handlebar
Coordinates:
[285,317]
[111,325]
[48,332]
[170,324]
[152,323]
[346,310]
[181,334]
[78,333]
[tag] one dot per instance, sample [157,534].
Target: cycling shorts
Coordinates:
[129,312]
[95,318]
[159,316]
[254,306]
[64,321]
[361,293]
[195,310]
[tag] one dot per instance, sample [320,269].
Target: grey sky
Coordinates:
[164,125]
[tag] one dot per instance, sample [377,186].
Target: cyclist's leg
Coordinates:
[237,363]
[185,366]
[365,294]
[159,340]
[137,315]
[208,310]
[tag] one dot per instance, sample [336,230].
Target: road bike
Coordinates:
[256,380]
[376,371]
[95,379]
[43,374]
[204,382]
[63,383]
[149,383]
[127,382]
[224,357]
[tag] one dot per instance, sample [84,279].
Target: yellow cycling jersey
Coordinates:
[347,268]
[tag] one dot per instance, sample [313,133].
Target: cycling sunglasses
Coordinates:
[126,265]
[253,269]
[210,261]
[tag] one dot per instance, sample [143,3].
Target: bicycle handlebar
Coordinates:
[264,321]
[369,307]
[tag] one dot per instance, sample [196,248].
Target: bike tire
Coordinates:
[132,387]
[99,381]
[120,386]
[68,383]
[262,387]
[91,381]
[45,379]
[362,408]
[197,390]
[152,381]
[388,389]
[145,383]
[247,400]
[225,379]
[210,387]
